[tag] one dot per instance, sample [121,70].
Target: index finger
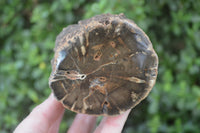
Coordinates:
[42,117]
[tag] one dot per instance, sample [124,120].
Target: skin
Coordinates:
[46,118]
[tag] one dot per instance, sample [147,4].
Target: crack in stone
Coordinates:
[113,62]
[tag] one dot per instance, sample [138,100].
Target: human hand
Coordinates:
[46,118]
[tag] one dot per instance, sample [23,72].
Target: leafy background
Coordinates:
[28,29]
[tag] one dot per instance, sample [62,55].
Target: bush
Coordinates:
[28,32]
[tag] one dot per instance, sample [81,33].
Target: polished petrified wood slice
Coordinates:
[104,65]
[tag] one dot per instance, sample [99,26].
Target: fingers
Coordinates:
[46,117]
[112,124]
[42,117]
[56,125]
[83,124]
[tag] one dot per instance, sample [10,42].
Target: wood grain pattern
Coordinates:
[104,65]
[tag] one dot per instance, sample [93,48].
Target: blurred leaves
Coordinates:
[27,34]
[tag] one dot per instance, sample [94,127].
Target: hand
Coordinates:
[46,118]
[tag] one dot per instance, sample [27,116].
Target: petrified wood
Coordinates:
[104,65]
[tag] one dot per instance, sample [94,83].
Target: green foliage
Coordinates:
[27,35]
